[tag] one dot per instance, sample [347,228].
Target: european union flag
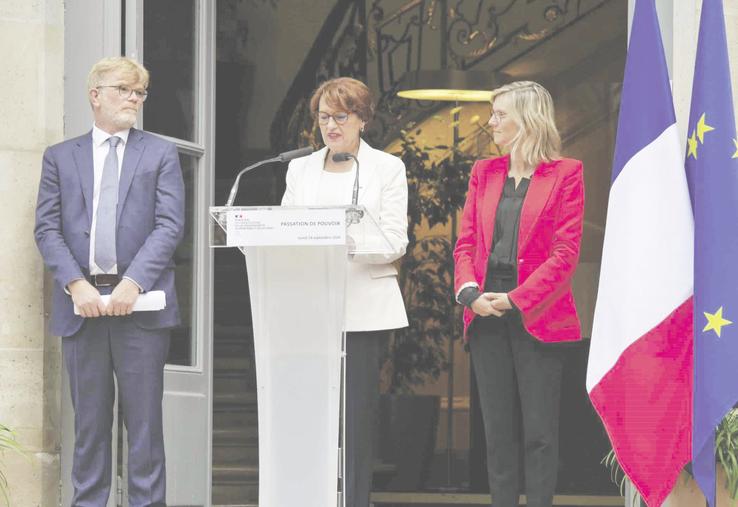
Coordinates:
[712,173]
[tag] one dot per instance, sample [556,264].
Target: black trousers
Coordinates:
[519,382]
[363,353]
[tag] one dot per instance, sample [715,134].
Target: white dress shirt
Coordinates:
[100,149]
[335,188]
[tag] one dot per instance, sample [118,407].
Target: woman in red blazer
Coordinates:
[516,254]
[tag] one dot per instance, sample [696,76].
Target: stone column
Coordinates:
[31,108]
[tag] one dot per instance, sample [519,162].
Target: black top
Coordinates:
[504,254]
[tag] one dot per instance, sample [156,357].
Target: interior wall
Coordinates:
[261,46]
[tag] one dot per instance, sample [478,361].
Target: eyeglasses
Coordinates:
[125,92]
[339,118]
[497,116]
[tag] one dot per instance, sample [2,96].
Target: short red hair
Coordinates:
[346,94]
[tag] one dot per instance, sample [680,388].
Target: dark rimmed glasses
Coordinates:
[339,118]
[125,92]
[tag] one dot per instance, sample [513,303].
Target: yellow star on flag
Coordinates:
[735,155]
[703,127]
[715,322]
[692,143]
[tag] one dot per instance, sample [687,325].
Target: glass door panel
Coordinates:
[170,49]
[183,350]
[175,41]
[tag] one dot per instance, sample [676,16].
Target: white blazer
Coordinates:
[373,298]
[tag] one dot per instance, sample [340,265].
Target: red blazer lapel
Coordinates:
[539,191]
[495,180]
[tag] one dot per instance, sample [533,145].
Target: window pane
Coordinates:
[170,38]
[183,349]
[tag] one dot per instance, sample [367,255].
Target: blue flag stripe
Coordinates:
[645,88]
[713,179]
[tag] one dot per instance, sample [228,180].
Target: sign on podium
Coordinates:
[296,259]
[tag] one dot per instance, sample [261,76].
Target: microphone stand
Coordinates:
[353,214]
[236,183]
[282,157]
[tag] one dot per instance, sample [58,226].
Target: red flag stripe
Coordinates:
[649,392]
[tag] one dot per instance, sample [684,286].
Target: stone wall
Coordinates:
[686,28]
[31,108]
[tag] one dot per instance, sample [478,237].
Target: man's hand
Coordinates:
[484,307]
[86,298]
[499,300]
[122,299]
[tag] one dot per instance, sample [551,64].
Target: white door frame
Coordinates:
[93,29]
[84,21]
[188,389]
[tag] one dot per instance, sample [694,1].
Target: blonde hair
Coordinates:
[538,139]
[346,94]
[129,69]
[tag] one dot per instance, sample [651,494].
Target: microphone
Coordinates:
[300,152]
[355,215]
[282,157]
[345,157]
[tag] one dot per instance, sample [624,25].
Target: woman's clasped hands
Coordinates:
[491,303]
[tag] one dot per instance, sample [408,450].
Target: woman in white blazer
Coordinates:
[342,107]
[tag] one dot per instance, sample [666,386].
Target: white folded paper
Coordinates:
[146,302]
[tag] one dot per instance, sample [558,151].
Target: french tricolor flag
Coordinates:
[639,375]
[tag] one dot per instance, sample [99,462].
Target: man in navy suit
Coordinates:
[110,214]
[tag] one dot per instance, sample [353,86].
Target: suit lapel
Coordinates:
[86,171]
[311,182]
[131,156]
[536,198]
[366,167]
[494,181]
[315,168]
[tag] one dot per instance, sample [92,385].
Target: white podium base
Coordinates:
[297,304]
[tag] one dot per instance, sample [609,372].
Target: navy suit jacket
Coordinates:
[150,222]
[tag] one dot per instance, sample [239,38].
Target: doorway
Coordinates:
[175,41]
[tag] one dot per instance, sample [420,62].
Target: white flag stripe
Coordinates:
[647,258]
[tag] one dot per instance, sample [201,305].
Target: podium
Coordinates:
[296,259]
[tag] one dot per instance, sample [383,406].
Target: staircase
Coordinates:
[235,433]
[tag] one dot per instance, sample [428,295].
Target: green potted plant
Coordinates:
[417,354]
[8,442]
[726,451]
[726,457]
[436,193]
